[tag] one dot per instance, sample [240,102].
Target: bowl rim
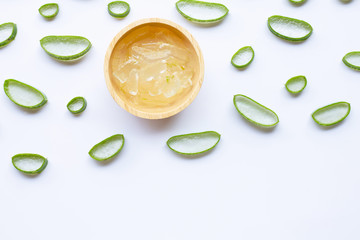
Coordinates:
[133,110]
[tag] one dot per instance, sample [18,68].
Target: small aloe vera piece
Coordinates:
[201,12]
[118,9]
[77,105]
[297,2]
[243,57]
[331,114]
[194,143]
[65,48]
[29,163]
[24,95]
[7,33]
[254,112]
[290,29]
[352,60]
[296,84]
[107,148]
[49,10]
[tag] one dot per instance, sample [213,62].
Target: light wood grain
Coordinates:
[142,111]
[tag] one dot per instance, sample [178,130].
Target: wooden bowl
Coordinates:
[118,44]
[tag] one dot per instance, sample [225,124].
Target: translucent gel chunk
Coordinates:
[156,69]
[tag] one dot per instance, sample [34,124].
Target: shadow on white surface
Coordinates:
[157,126]
[30,176]
[29,111]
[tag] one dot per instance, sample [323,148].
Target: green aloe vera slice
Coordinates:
[290,29]
[297,2]
[65,48]
[107,148]
[77,105]
[49,10]
[331,114]
[24,95]
[352,60]
[254,112]
[118,9]
[296,84]
[194,143]
[29,163]
[202,12]
[243,57]
[7,33]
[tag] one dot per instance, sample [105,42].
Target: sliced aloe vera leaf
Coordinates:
[77,105]
[297,2]
[24,95]
[296,84]
[254,112]
[7,33]
[194,143]
[331,114]
[65,48]
[118,9]
[49,10]
[290,29]
[107,148]
[29,163]
[202,12]
[243,57]
[352,60]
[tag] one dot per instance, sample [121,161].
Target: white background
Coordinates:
[298,181]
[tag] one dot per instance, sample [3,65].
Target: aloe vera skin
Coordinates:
[27,155]
[240,51]
[287,38]
[198,153]
[348,63]
[275,116]
[334,123]
[102,143]
[12,35]
[49,5]
[209,4]
[297,2]
[8,94]
[118,15]
[293,80]
[74,101]
[64,39]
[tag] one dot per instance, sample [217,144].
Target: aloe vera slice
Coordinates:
[297,2]
[243,57]
[107,148]
[77,105]
[331,114]
[24,95]
[201,12]
[254,112]
[65,48]
[29,163]
[296,84]
[352,60]
[290,29]
[194,143]
[118,9]
[7,33]
[49,10]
